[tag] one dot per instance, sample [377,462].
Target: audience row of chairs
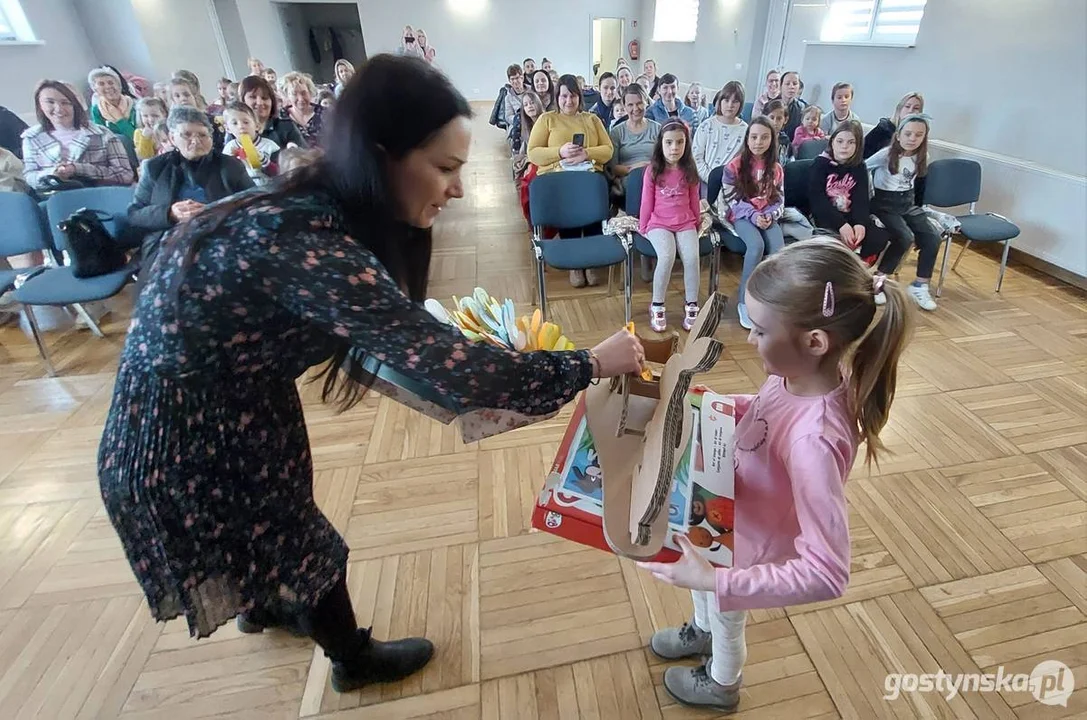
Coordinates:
[32,227]
[577,199]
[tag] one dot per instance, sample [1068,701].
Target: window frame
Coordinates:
[656,25]
[870,38]
[14,17]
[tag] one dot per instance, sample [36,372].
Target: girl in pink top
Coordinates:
[812,307]
[669,218]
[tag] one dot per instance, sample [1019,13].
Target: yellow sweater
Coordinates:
[553,130]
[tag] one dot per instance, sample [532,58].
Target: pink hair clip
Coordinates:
[828,300]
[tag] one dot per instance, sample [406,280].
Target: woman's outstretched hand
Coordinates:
[620,354]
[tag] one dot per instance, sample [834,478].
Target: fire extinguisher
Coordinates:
[632,49]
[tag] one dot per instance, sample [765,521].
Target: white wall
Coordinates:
[106,22]
[180,35]
[64,55]
[1000,80]
[230,23]
[473,48]
[728,45]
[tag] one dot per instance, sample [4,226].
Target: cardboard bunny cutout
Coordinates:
[640,429]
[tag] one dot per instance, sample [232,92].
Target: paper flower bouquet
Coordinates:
[484,319]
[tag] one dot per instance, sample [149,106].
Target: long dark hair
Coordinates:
[897,151]
[548,97]
[570,83]
[853,128]
[658,164]
[746,186]
[79,114]
[366,136]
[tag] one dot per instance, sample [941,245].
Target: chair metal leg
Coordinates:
[943,265]
[961,253]
[1003,264]
[611,272]
[715,270]
[542,288]
[82,312]
[39,340]
[628,284]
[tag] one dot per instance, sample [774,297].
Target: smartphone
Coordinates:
[579,139]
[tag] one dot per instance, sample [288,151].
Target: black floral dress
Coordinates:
[204,463]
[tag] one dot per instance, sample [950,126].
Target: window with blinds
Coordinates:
[883,22]
[675,21]
[7,32]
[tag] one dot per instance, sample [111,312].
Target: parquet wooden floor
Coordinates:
[969,543]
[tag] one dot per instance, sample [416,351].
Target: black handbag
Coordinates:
[91,249]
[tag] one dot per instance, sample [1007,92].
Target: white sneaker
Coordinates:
[658,320]
[745,321]
[881,298]
[922,296]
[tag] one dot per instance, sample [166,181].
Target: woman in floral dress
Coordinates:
[204,464]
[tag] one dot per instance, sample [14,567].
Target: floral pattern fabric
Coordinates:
[204,463]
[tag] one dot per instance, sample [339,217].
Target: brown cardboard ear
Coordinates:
[638,469]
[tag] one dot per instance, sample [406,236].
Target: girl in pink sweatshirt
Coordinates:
[669,218]
[812,306]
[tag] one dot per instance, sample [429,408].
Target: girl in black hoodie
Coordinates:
[839,196]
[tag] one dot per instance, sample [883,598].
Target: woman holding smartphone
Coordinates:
[570,139]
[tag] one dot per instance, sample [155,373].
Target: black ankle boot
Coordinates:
[258,620]
[374,661]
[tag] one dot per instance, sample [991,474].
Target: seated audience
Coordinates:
[633,141]
[608,94]
[299,90]
[176,186]
[668,104]
[551,148]
[529,66]
[515,89]
[421,42]
[149,113]
[696,101]
[546,66]
[721,137]
[183,93]
[162,92]
[531,110]
[11,132]
[232,93]
[624,77]
[841,97]
[794,105]
[256,67]
[194,82]
[111,107]
[838,194]
[261,160]
[408,46]
[809,127]
[67,146]
[775,112]
[326,99]
[259,95]
[344,71]
[880,136]
[554,75]
[772,91]
[652,81]
[222,99]
[618,111]
[541,83]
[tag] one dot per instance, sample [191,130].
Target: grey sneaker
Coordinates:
[681,642]
[577,278]
[592,277]
[693,686]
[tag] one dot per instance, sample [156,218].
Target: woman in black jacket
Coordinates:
[259,95]
[880,136]
[838,193]
[174,187]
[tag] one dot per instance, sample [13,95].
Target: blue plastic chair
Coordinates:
[797,179]
[953,182]
[57,286]
[811,149]
[707,244]
[745,113]
[574,199]
[23,231]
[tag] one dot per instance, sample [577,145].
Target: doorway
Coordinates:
[607,45]
[319,34]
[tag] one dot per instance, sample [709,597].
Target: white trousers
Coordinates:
[665,243]
[727,630]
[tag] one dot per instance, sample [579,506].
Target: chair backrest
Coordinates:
[713,184]
[797,174]
[952,182]
[568,199]
[745,113]
[24,227]
[811,149]
[111,200]
[633,185]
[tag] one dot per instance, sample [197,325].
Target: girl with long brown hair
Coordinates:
[752,199]
[832,359]
[669,217]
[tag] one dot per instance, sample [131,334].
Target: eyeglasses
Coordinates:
[191,137]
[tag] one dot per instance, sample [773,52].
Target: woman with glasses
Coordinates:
[65,149]
[175,187]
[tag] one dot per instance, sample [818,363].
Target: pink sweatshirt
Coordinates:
[802,135]
[793,455]
[671,203]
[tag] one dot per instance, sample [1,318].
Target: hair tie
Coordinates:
[877,284]
[828,300]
